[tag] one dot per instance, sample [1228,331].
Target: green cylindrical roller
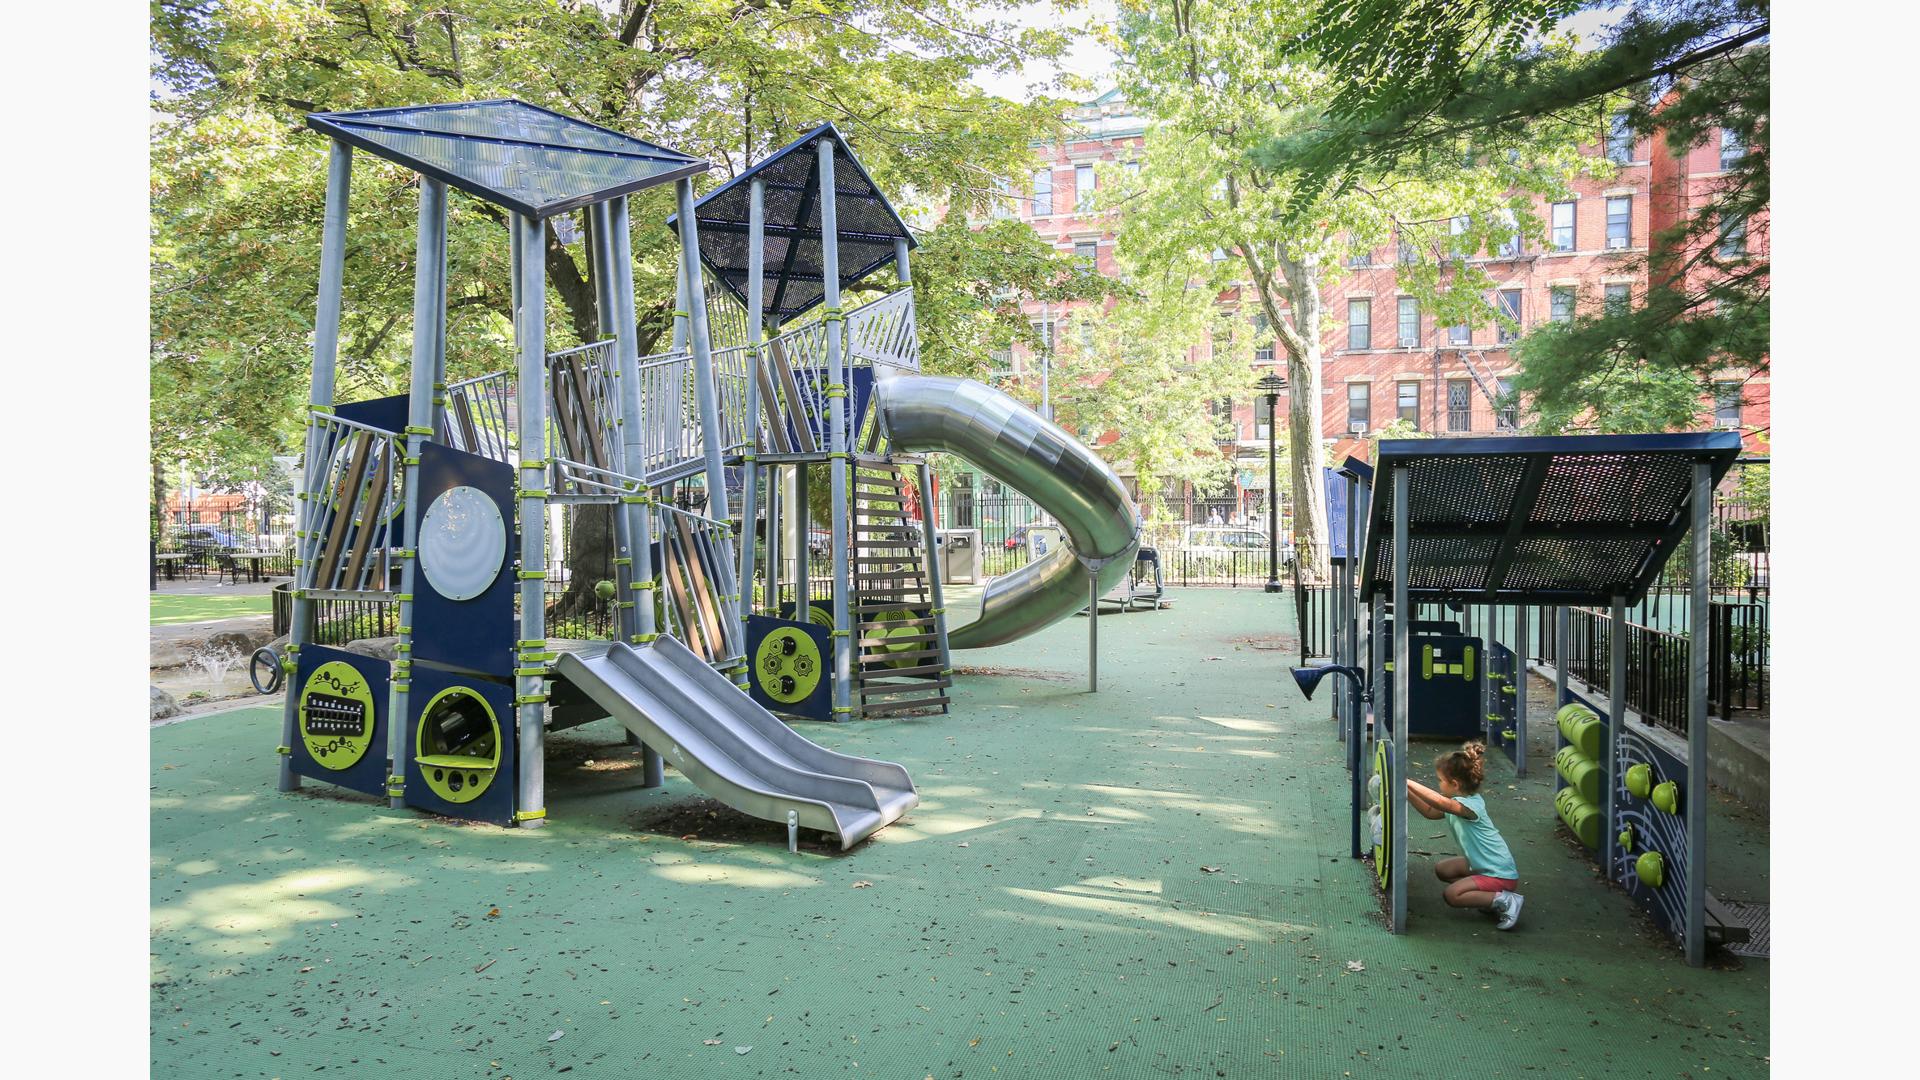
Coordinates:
[1580,815]
[1580,727]
[1581,772]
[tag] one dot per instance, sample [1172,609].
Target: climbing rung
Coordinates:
[905,687]
[872,642]
[927,621]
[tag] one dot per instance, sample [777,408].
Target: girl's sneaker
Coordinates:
[1507,906]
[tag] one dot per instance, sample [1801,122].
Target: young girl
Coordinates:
[1485,876]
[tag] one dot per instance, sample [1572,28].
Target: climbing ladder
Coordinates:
[900,660]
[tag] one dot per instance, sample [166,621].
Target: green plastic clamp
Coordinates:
[540,672]
[409,461]
[404,598]
[839,633]
[531,575]
[401,686]
[678,314]
[1508,690]
[396,786]
[529,815]
[403,668]
[642,586]
[529,699]
[532,643]
[843,708]
[642,639]
[534,463]
[624,560]
[534,493]
[939,611]
[623,603]
[636,500]
[284,751]
[439,386]
[403,646]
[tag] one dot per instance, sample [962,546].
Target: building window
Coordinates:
[1459,405]
[1408,335]
[1133,167]
[1359,324]
[1732,149]
[1560,303]
[1733,238]
[1619,139]
[1002,201]
[1726,404]
[1510,325]
[1460,334]
[1262,339]
[1508,416]
[1512,245]
[1042,192]
[1082,187]
[1619,222]
[1360,258]
[1088,252]
[1406,398]
[1457,227]
[1359,406]
[1002,360]
[1409,251]
[1619,297]
[1563,234]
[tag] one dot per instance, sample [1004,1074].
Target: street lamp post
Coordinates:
[1270,386]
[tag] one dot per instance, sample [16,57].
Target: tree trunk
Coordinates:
[589,559]
[1305,415]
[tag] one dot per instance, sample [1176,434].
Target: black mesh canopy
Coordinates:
[527,159]
[866,225]
[1551,520]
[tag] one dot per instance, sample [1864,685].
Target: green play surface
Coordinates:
[1149,882]
[170,609]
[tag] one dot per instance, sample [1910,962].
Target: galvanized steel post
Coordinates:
[705,385]
[429,322]
[635,506]
[1616,722]
[326,348]
[1520,678]
[529,320]
[750,472]
[1402,712]
[1699,634]
[837,443]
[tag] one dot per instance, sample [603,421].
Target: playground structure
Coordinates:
[440,499]
[1554,521]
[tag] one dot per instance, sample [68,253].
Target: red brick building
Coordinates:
[1384,357]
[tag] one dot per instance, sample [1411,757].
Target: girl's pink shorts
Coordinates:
[1495,884]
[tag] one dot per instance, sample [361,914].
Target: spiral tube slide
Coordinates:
[995,433]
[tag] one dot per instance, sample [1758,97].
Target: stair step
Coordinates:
[908,672]
[894,708]
[923,621]
[880,664]
[916,685]
[871,642]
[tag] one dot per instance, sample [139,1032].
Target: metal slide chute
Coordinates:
[733,749]
[1014,444]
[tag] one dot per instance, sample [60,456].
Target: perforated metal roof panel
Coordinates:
[530,160]
[866,225]
[1574,519]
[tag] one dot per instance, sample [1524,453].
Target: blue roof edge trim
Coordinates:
[339,125]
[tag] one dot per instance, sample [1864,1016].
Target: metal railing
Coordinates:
[481,415]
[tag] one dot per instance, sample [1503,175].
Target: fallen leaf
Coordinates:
[863,884]
[555,1037]
[975,1041]
[493,913]
[711,1042]
[741,1049]
[306,969]
[483,967]
[1355,965]
[1210,869]
[963,843]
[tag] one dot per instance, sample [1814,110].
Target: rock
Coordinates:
[161,704]
[241,643]
[380,648]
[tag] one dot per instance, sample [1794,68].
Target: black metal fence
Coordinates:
[176,561]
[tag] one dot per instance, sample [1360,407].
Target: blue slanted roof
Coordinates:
[866,225]
[530,160]
[1569,519]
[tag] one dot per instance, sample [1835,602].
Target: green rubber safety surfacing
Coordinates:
[336,716]
[789,665]
[458,744]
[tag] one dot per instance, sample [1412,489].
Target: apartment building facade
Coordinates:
[1385,358]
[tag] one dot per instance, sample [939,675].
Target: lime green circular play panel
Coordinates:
[820,616]
[458,744]
[336,715]
[1383,843]
[789,665]
[897,615]
[1651,869]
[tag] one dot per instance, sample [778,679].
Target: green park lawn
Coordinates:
[171,610]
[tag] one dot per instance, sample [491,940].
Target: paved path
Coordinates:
[1051,909]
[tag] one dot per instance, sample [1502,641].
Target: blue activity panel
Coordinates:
[466,548]
[1503,704]
[341,736]
[1652,857]
[789,666]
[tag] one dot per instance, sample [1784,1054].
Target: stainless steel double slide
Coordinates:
[1015,445]
[733,749]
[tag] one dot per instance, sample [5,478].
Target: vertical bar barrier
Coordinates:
[1616,721]
[1520,678]
[326,348]
[530,270]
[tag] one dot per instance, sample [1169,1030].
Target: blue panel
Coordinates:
[1445,705]
[1503,720]
[385,413]
[1654,829]
[495,803]
[817,705]
[476,634]
[369,774]
[1337,513]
